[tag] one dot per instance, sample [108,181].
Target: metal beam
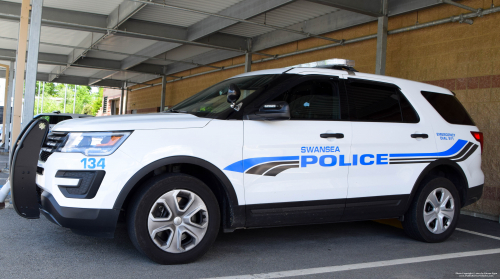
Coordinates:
[122,96]
[365,7]
[327,23]
[8,108]
[462,6]
[244,10]
[110,83]
[205,58]
[5,73]
[32,61]
[248,57]
[406,6]
[87,62]
[11,11]
[381,41]
[163,92]
[235,19]
[118,16]
[11,54]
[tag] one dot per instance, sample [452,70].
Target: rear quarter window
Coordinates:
[449,108]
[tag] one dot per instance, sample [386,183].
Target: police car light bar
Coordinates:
[328,62]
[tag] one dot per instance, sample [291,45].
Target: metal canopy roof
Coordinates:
[105,43]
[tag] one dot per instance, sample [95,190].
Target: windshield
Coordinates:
[212,102]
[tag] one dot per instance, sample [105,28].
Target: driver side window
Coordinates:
[316,99]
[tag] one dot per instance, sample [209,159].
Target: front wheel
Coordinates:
[174,219]
[433,214]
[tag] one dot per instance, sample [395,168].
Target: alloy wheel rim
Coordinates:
[178,221]
[439,210]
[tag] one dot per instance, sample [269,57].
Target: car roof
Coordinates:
[317,70]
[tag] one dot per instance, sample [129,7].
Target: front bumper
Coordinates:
[84,221]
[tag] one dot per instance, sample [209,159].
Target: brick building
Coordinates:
[461,57]
[110,102]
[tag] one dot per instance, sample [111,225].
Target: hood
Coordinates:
[133,122]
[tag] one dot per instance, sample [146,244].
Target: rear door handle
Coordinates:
[335,135]
[424,136]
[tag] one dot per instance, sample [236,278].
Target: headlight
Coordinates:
[94,143]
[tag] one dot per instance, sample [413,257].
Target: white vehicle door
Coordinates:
[385,126]
[294,170]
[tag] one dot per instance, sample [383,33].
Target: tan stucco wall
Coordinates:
[464,58]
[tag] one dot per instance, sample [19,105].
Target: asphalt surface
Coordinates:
[40,249]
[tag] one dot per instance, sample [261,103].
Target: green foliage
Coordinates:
[53,99]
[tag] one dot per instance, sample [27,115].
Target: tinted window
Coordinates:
[378,102]
[313,100]
[449,108]
[54,119]
[212,102]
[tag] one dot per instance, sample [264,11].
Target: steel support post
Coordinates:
[32,62]
[248,56]
[381,41]
[163,92]
[122,96]
[8,108]
[20,67]
[125,101]
[6,93]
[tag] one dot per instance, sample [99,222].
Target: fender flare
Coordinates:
[238,218]
[428,169]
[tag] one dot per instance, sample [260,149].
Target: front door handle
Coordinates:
[334,135]
[424,136]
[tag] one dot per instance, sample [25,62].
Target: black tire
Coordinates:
[139,210]
[414,224]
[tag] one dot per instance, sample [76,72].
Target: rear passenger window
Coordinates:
[449,108]
[313,100]
[378,102]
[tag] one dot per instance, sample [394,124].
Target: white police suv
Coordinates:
[298,145]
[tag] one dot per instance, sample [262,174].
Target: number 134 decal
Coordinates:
[92,163]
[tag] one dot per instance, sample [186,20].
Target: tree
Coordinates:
[53,99]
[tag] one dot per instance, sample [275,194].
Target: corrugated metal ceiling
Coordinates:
[103,7]
[287,15]
[10,29]
[124,44]
[182,18]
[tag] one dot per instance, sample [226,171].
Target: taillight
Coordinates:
[479,137]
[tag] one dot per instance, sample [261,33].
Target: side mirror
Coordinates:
[233,94]
[272,111]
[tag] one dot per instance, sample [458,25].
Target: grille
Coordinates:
[53,141]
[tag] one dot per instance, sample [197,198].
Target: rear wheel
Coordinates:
[433,214]
[174,219]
